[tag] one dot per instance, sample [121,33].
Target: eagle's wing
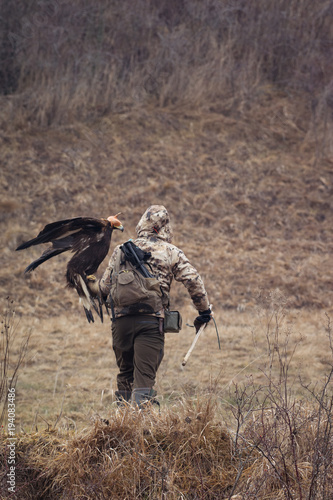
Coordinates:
[89,239]
[62,229]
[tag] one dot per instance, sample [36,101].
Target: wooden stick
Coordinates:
[201,329]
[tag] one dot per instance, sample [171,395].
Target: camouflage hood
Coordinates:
[155,222]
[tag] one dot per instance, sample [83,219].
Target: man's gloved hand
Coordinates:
[204,317]
[93,285]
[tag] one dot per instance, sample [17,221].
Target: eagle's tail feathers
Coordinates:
[87,309]
[88,301]
[100,307]
[89,315]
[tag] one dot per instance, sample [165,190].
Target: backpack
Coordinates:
[132,286]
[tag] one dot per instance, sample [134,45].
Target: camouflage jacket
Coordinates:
[167,262]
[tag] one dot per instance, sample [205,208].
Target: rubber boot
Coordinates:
[144,396]
[123,397]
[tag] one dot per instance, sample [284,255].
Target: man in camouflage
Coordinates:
[138,337]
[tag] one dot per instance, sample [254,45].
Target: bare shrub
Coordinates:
[283,440]
[321,464]
[12,353]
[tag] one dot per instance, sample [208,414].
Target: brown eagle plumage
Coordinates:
[89,239]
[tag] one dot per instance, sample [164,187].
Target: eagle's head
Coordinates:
[115,222]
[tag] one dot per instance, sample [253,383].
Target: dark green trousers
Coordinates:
[138,344]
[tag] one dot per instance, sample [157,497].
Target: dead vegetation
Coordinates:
[185,452]
[135,455]
[12,353]
[221,111]
[279,448]
[266,434]
[72,62]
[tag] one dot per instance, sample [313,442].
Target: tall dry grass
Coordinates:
[253,440]
[62,62]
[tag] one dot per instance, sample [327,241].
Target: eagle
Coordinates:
[89,239]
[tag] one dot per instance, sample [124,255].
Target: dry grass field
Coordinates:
[250,226]
[70,368]
[107,111]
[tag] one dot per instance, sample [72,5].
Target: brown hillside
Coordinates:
[220,112]
[249,197]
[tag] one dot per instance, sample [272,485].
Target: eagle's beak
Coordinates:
[115,223]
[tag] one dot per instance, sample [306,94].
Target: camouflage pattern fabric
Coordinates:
[154,234]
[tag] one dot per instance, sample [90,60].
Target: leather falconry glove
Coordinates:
[93,285]
[204,317]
